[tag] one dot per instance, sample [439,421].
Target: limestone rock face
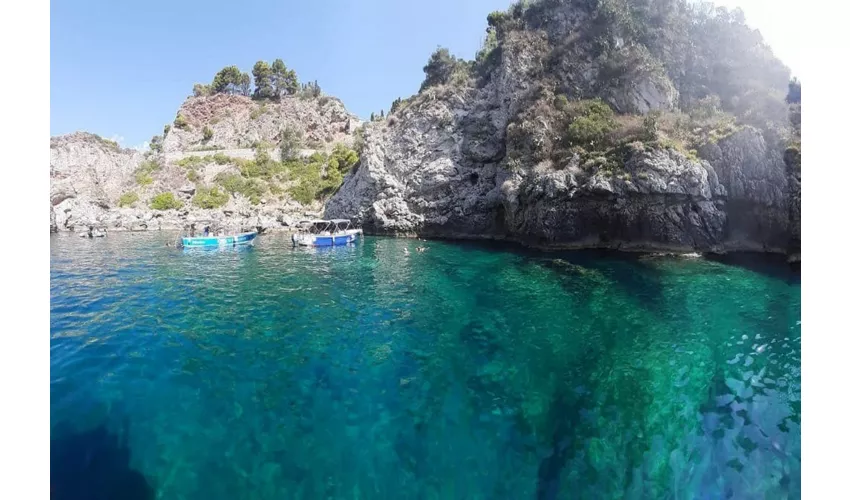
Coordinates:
[415,179]
[792,162]
[486,159]
[754,175]
[238,122]
[440,169]
[88,174]
[83,164]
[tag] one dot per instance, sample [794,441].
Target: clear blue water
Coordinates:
[464,371]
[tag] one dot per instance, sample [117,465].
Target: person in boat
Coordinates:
[192,231]
[206,231]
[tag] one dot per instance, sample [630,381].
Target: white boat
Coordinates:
[326,233]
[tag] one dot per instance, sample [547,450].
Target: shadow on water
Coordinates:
[566,414]
[94,465]
[628,272]
[565,436]
[765,263]
[773,265]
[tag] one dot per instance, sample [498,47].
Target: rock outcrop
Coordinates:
[83,164]
[754,175]
[239,122]
[89,174]
[490,160]
[792,164]
[424,175]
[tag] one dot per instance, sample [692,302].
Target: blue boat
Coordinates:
[218,241]
[326,233]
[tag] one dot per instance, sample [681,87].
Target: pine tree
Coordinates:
[227,81]
[263,81]
[245,84]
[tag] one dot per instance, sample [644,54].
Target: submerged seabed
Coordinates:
[463,371]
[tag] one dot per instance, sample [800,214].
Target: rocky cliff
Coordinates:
[213,144]
[640,125]
[87,176]
[514,149]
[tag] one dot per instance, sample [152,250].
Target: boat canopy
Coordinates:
[341,224]
[324,225]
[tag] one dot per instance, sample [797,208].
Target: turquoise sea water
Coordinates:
[464,371]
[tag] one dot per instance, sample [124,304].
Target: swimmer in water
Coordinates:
[406,251]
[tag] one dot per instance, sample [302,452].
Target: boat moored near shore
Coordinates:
[218,241]
[326,233]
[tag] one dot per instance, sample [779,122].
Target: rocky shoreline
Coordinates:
[558,136]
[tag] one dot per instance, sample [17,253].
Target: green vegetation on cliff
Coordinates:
[589,122]
[290,143]
[145,170]
[193,161]
[210,198]
[251,188]
[165,201]
[626,51]
[128,199]
[601,74]
[309,179]
[320,175]
[180,122]
[444,68]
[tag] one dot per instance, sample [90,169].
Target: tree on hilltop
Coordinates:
[284,81]
[794,94]
[439,69]
[227,81]
[263,80]
[199,89]
[245,84]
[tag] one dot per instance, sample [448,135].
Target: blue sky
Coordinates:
[121,69]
